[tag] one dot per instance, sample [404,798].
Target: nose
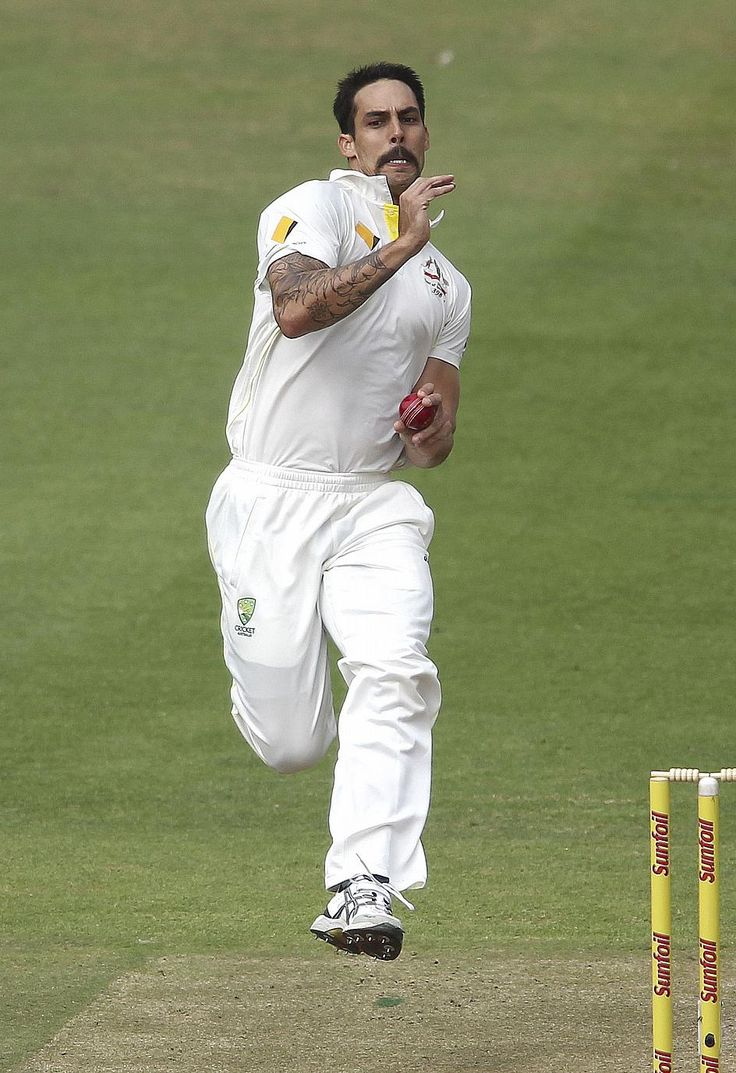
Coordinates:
[397,131]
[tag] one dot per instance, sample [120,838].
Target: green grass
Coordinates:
[583,558]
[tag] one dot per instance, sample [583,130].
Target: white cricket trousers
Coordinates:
[300,555]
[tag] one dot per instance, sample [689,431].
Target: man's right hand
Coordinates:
[413,206]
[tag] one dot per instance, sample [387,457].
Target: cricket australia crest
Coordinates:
[246,609]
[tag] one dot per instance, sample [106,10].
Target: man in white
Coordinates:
[308,533]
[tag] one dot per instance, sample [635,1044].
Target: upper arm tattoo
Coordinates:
[320,294]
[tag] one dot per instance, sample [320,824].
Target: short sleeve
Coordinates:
[305,220]
[453,337]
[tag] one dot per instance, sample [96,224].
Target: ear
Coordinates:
[346,145]
[426,139]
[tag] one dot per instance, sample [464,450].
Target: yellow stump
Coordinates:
[661,894]
[709,926]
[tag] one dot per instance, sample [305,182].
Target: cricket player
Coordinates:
[309,533]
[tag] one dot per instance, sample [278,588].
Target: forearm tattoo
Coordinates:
[324,295]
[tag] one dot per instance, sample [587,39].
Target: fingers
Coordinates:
[430,187]
[427,391]
[429,440]
[436,181]
[441,184]
[437,427]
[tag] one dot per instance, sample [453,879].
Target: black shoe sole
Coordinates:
[346,944]
[383,943]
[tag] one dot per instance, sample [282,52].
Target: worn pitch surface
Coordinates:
[453,1015]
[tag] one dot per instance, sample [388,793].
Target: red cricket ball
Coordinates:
[414,413]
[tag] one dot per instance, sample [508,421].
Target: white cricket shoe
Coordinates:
[359,919]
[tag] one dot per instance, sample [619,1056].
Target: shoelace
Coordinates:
[385,889]
[363,894]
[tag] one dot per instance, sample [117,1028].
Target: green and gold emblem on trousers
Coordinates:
[246,607]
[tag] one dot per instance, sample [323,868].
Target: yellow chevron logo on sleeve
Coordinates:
[368,237]
[283,229]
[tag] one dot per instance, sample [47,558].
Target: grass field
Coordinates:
[584,557]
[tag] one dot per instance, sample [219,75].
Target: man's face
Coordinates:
[390,138]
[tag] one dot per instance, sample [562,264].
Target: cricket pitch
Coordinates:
[307,1015]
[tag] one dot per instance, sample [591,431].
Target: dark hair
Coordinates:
[344,105]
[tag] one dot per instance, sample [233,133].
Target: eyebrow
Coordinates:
[377,113]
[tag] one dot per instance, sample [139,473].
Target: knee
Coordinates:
[290,757]
[412,666]
[287,745]
[418,681]
[408,675]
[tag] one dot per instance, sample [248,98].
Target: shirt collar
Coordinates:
[372,188]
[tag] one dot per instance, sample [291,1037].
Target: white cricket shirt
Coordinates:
[328,400]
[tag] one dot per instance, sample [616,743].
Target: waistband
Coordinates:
[308,480]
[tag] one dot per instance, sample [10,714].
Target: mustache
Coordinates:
[394,154]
